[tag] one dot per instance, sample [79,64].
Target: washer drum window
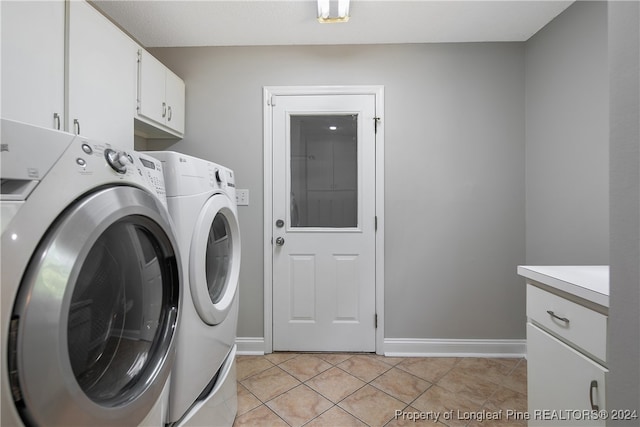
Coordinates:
[214,261]
[94,322]
[219,253]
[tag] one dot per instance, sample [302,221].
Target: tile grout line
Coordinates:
[388,367]
[370,383]
[336,404]
[365,383]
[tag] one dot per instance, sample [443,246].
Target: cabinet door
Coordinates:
[152,102]
[33,62]
[560,380]
[102,77]
[174,86]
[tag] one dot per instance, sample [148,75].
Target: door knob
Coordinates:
[280,241]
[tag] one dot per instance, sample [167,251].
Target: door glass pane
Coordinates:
[324,171]
[119,306]
[218,257]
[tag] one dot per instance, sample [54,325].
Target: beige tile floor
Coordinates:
[341,389]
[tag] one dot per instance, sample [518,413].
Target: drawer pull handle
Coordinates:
[555,316]
[594,384]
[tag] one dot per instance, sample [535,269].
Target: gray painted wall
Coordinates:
[454,165]
[455,162]
[623,382]
[567,139]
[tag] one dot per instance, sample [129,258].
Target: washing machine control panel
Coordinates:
[221,176]
[127,164]
[231,182]
[151,170]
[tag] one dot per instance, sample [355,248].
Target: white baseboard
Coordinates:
[250,346]
[419,347]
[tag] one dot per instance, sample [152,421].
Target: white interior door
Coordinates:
[324,271]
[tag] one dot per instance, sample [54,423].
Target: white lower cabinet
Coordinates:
[566,357]
[565,387]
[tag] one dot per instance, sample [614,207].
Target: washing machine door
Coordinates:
[92,333]
[214,263]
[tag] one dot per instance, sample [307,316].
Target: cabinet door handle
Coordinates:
[594,385]
[169,118]
[164,110]
[76,126]
[555,316]
[56,121]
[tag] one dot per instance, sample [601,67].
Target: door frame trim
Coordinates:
[268,93]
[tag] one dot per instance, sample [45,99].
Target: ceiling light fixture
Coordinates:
[324,11]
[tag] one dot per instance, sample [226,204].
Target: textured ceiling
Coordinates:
[167,23]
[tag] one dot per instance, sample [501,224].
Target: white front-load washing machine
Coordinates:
[91,282]
[202,202]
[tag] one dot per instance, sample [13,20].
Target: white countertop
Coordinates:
[590,282]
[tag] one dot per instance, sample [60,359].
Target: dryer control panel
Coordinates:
[151,169]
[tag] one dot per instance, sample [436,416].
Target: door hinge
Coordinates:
[376,120]
[375,321]
[376,222]
[271,101]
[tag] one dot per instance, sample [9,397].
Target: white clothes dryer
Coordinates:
[202,201]
[91,282]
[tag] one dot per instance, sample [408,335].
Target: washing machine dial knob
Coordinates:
[118,160]
[218,176]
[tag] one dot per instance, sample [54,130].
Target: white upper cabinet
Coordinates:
[66,66]
[151,88]
[102,77]
[33,62]
[174,90]
[160,96]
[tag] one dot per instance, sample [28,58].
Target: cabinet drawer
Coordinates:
[578,325]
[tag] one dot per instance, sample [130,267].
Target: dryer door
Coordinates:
[214,264]
[92,333]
